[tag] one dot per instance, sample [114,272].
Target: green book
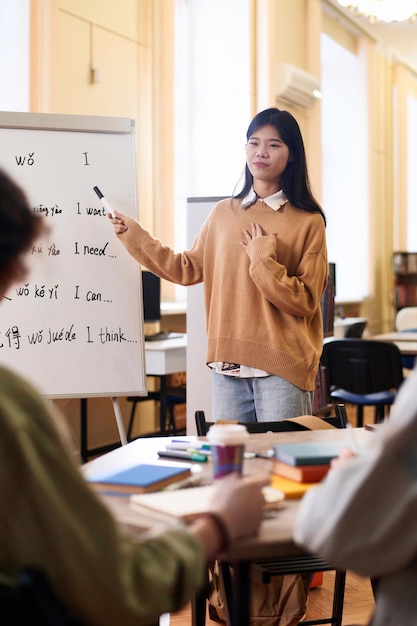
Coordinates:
[309,452]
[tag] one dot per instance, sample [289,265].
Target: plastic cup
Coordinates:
[227,444]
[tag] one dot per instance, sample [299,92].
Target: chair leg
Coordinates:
[339,596]
[360,416]
[198,608]
[199,604]
[131,419]
[379,414]
[239,610]
[374,585]
[171,412]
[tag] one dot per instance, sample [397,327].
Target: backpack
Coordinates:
[281,602]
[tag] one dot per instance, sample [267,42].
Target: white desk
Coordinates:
[163,358]
[341,325]
[166,357]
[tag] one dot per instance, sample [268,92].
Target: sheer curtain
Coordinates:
[212,101]
[345,167]
[411,174]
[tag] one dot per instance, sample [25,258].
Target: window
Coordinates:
[212,102]
[411,174]
[213,97]
[14,55]
[345,167]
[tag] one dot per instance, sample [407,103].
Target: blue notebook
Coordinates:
[141,478]
[309,452]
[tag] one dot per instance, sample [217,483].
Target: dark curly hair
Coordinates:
[20,227]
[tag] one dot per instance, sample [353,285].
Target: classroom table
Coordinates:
[406,341]
[341,325]
[275,536]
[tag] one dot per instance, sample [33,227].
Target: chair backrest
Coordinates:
[406,318]
[356,329]
[32,601]
[362,366]
[309,423]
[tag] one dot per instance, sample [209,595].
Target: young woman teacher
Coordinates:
[263,259]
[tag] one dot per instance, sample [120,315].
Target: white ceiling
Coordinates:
[398,39]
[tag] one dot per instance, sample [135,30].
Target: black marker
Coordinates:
[183,454]
[104,201]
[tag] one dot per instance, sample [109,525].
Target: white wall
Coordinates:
[198,373]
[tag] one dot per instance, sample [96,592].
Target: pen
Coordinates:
[104,201]
[183,454]
[195,443]
[177,444]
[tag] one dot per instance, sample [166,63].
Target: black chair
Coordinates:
[264,569]
[32,601]
[364,373]
[174,396]
[202,425]
[355,330]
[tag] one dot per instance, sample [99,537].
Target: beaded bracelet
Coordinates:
[221,527]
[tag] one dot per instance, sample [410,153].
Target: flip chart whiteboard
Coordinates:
[74,328]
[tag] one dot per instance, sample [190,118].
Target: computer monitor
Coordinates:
[151,290]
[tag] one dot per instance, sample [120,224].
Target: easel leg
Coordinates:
[83,431]
[119,421]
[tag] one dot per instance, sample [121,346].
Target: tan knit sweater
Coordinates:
[262,302]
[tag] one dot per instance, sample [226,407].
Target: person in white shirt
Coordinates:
[363,515]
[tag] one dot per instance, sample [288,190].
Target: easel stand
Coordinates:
[84,450]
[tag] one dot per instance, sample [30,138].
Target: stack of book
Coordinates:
[297,467]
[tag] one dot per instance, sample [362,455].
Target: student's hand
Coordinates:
[255,231]
[239,502]
[118,221]
[345,455]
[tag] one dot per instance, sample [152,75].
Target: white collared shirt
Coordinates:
[275,202]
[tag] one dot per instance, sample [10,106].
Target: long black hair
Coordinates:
[294,179]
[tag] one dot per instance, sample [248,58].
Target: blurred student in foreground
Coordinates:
[363,516]
[51,519]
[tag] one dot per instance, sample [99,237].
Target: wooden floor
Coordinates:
[358,605]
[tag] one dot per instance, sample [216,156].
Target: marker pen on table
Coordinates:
[183,454]
[104,201]
[180,444]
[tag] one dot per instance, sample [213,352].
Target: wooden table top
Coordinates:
[275,536]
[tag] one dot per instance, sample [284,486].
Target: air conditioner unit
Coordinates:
[296,86]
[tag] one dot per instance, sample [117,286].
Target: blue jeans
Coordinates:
[265,399]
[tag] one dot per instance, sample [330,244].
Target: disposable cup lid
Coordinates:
[227,434]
